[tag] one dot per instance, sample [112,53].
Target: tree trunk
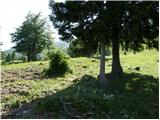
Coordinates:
[102,76]
[116,65]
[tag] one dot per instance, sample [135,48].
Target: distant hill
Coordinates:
[61,44]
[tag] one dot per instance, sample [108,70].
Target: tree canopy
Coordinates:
[132,25]
[78,49]
[136,21]
[32,36]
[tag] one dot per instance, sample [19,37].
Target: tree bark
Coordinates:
[102,76]
[116,65]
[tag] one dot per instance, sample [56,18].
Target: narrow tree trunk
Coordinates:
[102,76]
[116,66]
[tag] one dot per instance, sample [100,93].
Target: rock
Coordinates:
[137,68]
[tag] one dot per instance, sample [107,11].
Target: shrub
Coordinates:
[58,64]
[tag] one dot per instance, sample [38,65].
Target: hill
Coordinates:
[61,44]
[26,93]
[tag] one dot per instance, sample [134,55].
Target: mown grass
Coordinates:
[78,95]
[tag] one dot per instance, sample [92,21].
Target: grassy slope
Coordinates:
[78,95]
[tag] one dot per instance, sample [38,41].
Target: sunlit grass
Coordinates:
[81,89]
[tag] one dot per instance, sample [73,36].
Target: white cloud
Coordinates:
[12,14]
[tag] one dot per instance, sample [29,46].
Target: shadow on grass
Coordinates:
[132,96]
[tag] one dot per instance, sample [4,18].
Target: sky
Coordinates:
[12,15]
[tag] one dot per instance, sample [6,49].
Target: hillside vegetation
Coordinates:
[28,93]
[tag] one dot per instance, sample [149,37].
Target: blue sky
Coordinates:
[12,14]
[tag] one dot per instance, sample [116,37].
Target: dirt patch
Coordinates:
[29,73]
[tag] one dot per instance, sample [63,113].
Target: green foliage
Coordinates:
[129,24]
[48,51]
[32,37]
[24,58]
[3,55]
[58,63]
[143,28]
[8,58]
[133,23]
[78,49]
[13,56]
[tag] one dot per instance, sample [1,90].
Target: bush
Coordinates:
[58,64]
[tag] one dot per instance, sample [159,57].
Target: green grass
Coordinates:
[78,94]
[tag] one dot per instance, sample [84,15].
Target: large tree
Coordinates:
[78,19]
[110,23]
[32,36]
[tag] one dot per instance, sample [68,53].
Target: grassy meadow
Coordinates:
[27,93]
